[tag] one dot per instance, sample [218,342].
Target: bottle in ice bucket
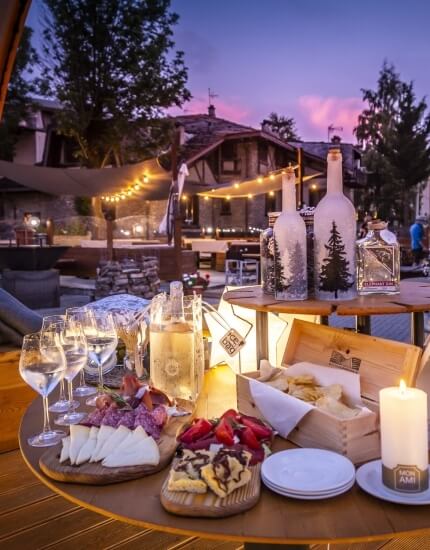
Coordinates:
[176,343]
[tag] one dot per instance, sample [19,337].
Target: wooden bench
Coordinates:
[15,396]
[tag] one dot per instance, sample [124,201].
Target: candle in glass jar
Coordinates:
[404,438]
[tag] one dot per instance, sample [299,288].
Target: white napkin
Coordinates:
[284,412]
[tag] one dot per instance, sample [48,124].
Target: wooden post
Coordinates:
[109,213]
[300,176]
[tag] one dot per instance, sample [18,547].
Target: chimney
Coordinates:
[265,126]
[211,111]
[336,140]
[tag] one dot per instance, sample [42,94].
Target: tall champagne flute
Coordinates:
[75,348]
[100,332]
[61,405]
[77,315]
[42,369]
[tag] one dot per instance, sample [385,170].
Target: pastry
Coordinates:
[227,472]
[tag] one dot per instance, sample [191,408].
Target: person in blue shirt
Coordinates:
[417,235]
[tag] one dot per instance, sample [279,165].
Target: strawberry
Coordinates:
[231,413]
[196,431]
[224,432]
[259,429]
[247,437]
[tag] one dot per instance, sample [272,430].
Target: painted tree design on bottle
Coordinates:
[279,275]
[297,284]
[334,276]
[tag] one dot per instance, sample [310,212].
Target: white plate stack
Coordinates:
[308,474]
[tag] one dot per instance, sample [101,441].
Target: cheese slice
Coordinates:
[65,449]
[78,436]
[113,442]
[145,452]
[104,433]
[132,440]
[88,447]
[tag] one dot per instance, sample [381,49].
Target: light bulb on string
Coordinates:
[272,176]
[145,179]
[236,186]
[260,179]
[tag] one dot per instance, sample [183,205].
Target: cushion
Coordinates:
[16,319]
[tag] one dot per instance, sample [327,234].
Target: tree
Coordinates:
[22,84]
[334,276]
[285,127]
[112,65]
[297,284]
[278,269]
[394,131]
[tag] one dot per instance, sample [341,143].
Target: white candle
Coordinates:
[404,438]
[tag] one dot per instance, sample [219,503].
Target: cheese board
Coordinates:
[130,434]
[93,473]
[209,504]
[216,471]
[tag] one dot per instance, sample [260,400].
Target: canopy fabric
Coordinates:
[84,182]
[251,187]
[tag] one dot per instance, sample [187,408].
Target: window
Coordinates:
[270,205]
[230,163]
[225,207]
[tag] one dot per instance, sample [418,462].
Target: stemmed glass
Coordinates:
[77,315]
[42,365]
[100,332]
[75,349]
[61,405]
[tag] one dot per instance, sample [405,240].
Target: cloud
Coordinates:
[318,113]
[230,109]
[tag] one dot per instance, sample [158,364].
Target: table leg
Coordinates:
[417,328]
[261,327]
[257,546]
[362,324]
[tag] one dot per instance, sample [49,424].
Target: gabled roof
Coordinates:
[204,133]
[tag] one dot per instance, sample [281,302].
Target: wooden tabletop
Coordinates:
[352,517]
[413,297]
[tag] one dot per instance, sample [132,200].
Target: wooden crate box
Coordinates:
[380,363]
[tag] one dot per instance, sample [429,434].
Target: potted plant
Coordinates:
[195,283]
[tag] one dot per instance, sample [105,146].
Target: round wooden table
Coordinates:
[414,298]
[352,517]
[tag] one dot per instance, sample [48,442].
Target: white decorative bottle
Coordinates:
[334,237]
[289,243]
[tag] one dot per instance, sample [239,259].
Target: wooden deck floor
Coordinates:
[32,517]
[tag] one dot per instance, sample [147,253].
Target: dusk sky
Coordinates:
[302,58]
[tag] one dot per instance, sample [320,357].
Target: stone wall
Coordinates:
[44,206]
[137,277]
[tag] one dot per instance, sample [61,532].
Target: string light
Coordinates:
[260,179]
[271,193]
[272,176]
[145,179]
[206,198]
[236,186]
[228,197]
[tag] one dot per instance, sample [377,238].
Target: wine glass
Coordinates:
[42,366]
[61,405]
[77,314]
[75,348]
[100,332]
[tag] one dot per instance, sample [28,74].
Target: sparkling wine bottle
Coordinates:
[335,236]
[289,243]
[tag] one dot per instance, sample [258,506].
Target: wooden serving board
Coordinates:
[95,474]
[209,505]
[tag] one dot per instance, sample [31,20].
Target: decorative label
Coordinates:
[335,276]
[232,342]
[405,479]
[338,360]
